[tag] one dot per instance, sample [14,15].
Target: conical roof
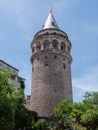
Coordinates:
[50,22]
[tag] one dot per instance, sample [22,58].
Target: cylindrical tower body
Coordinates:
[51,67]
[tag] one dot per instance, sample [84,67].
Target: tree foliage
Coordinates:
[38,125]
[7,104]
[76,116]
[13,114]
[60,119]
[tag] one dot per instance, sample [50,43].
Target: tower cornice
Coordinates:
[50,29]
[58,52]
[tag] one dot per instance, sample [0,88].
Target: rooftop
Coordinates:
[8,65]
[50,22]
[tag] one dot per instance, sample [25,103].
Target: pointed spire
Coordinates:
[50,22]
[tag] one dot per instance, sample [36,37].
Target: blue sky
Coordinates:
[21,19]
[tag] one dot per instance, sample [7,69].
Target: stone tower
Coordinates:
[51,68]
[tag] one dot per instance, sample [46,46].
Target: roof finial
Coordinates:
[51,8]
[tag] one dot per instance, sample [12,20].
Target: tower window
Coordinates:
[64,65]
[55,74]
[45,57]
[42,26]
[63,46]
[55,90]
[53,24]
[63,59]
[38,47]
[46,44]
[55,44]
[55,57]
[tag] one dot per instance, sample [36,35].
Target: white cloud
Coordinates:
[89,81]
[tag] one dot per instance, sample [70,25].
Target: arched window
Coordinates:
[63,46]
[46,44]
[55,44]
[38,47]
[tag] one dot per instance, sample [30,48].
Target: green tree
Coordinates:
[60,119]
[39,125]
[13,114]
[90,117]
[86,112]
[7,104]
[76,116]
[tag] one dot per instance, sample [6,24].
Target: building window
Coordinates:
[46,44]
[55,44]
[63,59]
[55,57]
[28,97]
[13,77]
[45,57]
[55,74]
[55,90]
[38,58]
[53,24]
[63,46]
[64,65]
[42,26]
[38,47]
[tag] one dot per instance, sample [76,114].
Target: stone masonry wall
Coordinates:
[51,79]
